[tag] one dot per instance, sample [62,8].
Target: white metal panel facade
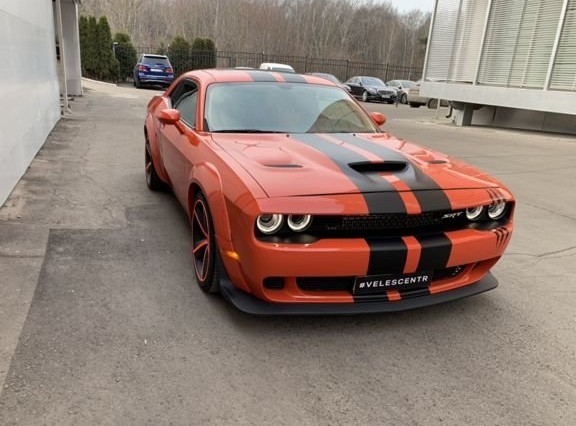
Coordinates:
[456,40]
[564,70]
[467,43]
[499,45]
[28,88]
[441,39]
[536,38]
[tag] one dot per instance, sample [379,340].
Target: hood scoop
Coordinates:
[379,167]
[284,166]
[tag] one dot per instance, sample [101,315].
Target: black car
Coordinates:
[153,69]
[331,78]
[371,89]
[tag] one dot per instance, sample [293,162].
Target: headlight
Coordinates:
[371,90]
[269,223]
[474,213]
[299,222]
[497,210]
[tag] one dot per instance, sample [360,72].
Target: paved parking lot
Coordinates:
[101,322]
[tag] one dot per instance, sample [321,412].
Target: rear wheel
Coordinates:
[137,83]
[204,246]
[153,181]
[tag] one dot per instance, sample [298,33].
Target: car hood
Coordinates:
[336,163]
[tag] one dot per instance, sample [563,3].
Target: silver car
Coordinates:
[402,87]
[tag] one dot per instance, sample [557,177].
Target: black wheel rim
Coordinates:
[201,246]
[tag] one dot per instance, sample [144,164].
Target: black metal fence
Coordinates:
[341,68]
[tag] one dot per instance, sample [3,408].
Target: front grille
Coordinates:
[387,224]
[385,92]
[347,283]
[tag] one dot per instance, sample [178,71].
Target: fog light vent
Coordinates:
[274,283]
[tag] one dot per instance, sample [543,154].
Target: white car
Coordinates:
[416,101]
[270,66]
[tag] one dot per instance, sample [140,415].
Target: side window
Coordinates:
[184,98]
[187,105]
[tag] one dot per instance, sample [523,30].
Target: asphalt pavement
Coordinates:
[101,321]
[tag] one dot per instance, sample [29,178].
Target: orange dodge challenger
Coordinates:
[300,204]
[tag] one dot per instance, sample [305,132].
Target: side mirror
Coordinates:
[169,116]
[378,118]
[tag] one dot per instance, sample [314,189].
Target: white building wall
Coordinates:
[28,87]
[508,63]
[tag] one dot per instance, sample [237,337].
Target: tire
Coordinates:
[404,99]
[365,96]
[413,105]
[204,246]
[153,181]
[137,83]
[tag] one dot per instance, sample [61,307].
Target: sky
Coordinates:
[408,5]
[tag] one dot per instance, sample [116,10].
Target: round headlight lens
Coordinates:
[269,223]
[497,210]
[474,213]
[299,222]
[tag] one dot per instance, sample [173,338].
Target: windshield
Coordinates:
[372,81]
[267,107]
[407,83]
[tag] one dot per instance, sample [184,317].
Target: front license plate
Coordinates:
[378,284]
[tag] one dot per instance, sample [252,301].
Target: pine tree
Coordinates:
[125,54]
[91,47]
[179,55]
[108,67]
[83,32]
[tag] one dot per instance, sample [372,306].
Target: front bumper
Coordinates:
[152,79]
[251,305]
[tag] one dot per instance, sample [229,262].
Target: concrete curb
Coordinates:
[89,80]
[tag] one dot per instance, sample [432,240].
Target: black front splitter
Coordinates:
[251,305]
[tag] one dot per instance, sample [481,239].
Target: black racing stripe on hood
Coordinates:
[293,78]
[429,194]
[380,195]
[262,76]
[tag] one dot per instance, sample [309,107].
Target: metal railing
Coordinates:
[183,61]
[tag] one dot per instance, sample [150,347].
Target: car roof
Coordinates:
[153,55]
[244,76]
[275,65]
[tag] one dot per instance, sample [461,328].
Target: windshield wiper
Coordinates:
[245,131]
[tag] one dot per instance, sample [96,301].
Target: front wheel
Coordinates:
[365,96]
[404,98]
[204,246]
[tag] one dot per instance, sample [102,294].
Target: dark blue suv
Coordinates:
[153,69]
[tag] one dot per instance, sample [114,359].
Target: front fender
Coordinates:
[150,126]
[206,177]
